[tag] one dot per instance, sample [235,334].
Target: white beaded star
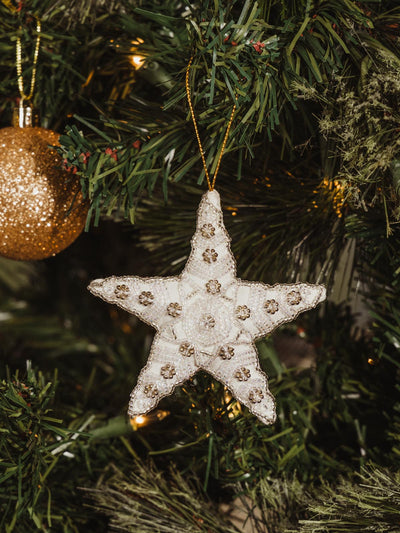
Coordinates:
[207,319]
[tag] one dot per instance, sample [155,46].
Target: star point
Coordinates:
[207,318]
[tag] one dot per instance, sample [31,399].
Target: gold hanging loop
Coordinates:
[19,65]
[211,184]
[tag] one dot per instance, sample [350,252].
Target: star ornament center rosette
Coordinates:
[207,319]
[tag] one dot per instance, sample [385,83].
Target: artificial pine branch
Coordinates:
[146,500]
[258,219]
[330,419]
[360,124]
[256,60]
[255,54]
[30,433]
[378,264]
[15,276]
[276,504]
[371,504]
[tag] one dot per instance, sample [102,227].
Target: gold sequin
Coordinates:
[242,312]
[174,309]
[256,395]
[150,390]
[207,322]
[226,352]
[146,298]
[207,231]
[242,374]
[121,292]
[186,349]
[293,297]
[210,255]
[213,286]
[168,371]
[271,306]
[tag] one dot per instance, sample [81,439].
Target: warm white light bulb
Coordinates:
[137,61]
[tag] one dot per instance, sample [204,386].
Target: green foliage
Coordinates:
[66,59]
[371,504]
[129,136]
[146,500]
[14,276]
[46,456]
[30,440]
[379,265]
[237,54]
[328,419]
[278,503]
[361,125]
[257,220]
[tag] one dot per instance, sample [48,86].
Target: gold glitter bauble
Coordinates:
[36,194]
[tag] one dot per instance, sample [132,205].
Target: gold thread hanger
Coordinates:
[19,64]
[211,184]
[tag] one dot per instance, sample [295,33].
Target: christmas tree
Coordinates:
[309,183]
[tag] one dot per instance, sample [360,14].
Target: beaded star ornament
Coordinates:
[206,318]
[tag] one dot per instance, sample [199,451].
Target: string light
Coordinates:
[144,420]
[137,61]
[336,190]
[233,406]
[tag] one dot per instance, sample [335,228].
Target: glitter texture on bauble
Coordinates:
[42,208]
